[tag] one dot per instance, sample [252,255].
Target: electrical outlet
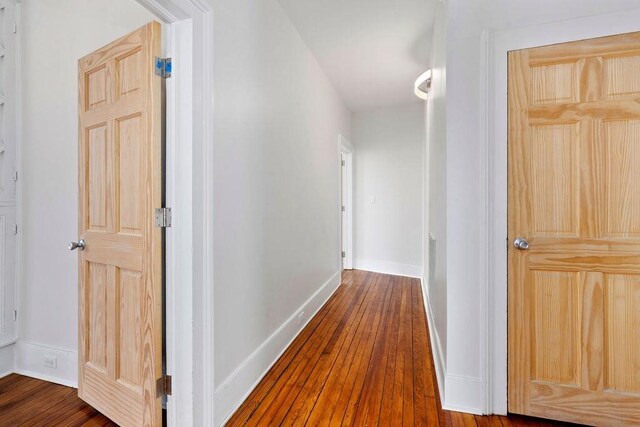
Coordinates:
[51,362]
[300,316]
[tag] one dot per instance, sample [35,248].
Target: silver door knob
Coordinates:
[76,245]
[521,243]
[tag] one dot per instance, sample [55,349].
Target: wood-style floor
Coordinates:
[363,360]
[26,401]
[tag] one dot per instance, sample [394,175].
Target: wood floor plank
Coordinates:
[306,395]
[299,369]
[368,410]
[269,381]
[336,358]
[408,398]
[335,394]
[274,374]
[11,381]
[422,383]
[365,351]
[40,400]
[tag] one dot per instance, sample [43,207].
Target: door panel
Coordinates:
[574,193]
[120,172]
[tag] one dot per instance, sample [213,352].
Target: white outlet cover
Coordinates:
[51,362]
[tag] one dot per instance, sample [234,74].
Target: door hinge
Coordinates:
[15,315]
[343,254]
[15,229]
[15,28]
[163,386]
[343,209]
[163,217]
[342,162]
[15,176]
[163,67]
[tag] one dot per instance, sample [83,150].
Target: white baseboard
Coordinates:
[29,361]
[387,267]
[237,386]
[457,392]
[464,394]
[436,346]
[7,360]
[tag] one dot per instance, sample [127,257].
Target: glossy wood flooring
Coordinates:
[26,401]
[363,360]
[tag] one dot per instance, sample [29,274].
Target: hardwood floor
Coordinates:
[26,401]
[363,360]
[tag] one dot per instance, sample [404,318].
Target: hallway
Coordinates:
[364,359]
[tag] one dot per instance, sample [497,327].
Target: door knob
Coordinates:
[76,245]
[521,243]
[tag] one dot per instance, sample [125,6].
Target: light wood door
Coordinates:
[120,185]
[574,193]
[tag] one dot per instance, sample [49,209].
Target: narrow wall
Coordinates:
[435,280]
[389,189]
[277,120]
[55,34]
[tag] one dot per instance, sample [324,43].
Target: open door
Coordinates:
[574,230]
[120,258]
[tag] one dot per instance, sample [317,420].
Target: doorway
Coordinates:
[346,202]
[572,226]
[41,332]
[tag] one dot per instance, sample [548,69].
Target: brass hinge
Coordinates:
[344,254]
[163,386]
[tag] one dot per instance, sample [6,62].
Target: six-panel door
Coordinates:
[120,173]
[574,192]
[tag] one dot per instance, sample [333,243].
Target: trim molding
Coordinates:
[388,267]
[6,360]
[464,394]
[484,226]
[189,340]
[241,382]
[29,359]
[436,347]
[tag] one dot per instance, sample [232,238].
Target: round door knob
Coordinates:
[76,245]
[521,243]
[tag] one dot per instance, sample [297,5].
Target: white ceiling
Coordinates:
[372,50]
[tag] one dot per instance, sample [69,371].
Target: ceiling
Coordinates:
[371,50]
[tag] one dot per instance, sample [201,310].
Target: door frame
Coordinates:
[189,192]
[346,149]
[495,46]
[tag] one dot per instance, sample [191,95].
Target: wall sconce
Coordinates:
[423,85]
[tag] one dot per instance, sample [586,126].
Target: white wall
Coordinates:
[435,257]
[467,165]
[277,120]
[389,164]
[55,34]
